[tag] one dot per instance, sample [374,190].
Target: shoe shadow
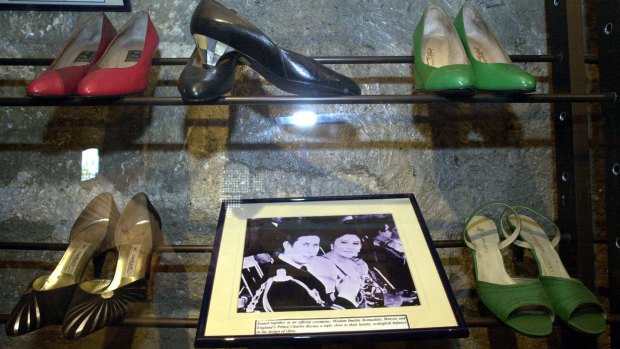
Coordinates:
[502,153]
[471,126]
[110,129]
[214,128]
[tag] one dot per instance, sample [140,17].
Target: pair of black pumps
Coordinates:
[224,39]
[84,305]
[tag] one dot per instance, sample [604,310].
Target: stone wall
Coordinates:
[188,159]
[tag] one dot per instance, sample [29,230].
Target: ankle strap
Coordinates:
[509,238]
[556,230]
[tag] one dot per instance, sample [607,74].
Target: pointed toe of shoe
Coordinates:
[112,82]
[86,90]
[37,309]
[48,84]
[522,81]
[204,84]
[307,77]
[90,85]
[335,85]
[350,88]
[503,77]
[447,78]
[23,318]
[90,312]
[60,82]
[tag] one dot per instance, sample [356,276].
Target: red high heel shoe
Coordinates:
[86,45]
[125,66]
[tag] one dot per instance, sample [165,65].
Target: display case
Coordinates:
[453,153]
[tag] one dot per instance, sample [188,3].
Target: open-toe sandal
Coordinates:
[518,302]
[572,301]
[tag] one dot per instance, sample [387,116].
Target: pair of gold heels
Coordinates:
[83,307]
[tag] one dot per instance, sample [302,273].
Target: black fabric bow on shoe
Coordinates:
[219,31]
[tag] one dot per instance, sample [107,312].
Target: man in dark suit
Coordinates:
[289,286]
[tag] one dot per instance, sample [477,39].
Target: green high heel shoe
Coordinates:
[519,303]
[441,64]
[492,67]
[572,301]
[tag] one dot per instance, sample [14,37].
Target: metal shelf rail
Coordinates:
[570,116]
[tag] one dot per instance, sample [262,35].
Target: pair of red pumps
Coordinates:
[97,61]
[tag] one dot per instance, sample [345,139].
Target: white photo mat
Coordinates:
[221,320]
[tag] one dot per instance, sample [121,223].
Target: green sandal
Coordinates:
[519,303]
[572,301]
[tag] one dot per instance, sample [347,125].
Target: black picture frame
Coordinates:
[66,5]
[227,319]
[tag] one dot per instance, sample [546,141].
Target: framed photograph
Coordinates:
[66,5]
[325,269]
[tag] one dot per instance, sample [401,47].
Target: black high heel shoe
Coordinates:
[218,30]
[48,297]
[99,303]
[199,82]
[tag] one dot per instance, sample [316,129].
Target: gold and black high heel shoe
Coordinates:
[99,303]
[46,300]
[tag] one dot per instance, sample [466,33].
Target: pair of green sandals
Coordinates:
[528,305]
[463,56]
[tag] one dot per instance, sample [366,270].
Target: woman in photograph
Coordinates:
[342,263]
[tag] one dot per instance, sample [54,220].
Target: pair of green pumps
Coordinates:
[463,56]
[528,305]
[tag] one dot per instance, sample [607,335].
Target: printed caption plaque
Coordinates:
[327,269]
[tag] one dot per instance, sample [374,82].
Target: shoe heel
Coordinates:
[210,49]
[152,264]
[153,260]
[98,263]
[417,79]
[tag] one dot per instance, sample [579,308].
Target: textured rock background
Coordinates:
[188,159]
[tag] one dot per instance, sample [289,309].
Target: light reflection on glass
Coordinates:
[304,118]
[90,164]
